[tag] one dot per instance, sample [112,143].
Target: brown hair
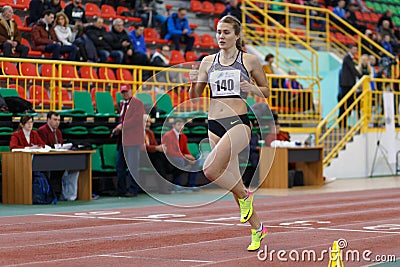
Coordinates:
[237,27]
[62,14]
[24,119]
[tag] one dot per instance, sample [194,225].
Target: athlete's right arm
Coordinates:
[198,80]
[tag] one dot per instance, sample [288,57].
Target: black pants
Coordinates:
[22,49]
[350,100]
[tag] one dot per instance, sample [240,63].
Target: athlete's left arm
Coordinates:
[257,72]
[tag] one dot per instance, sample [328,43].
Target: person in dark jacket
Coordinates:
[347,80]
[76,15]
[36,8]
[120,41]
[45,39]
[10,36]
[99,36]
[179,31]
[53,5]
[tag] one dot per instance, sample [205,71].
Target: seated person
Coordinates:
[276,134]
[179,31]
[155,153]
[25,136]
[180,157]
[51,135]
[300,101]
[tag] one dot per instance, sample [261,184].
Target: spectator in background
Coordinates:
[277,12]
[64,33]
[98,35]
[364,68]
[233,9]
[276,134]
[271,68]
[386,16]
[53,5]
[10,36]
[387,44]
[386,30]
[137,39]
[179,31]
[132,152]
[150,11]
[314,13]
[161,59]
[292,83]
[180,157]
[155,154]
[352,19]
[348,76]
[340,10]
[76,15]
[25,136]
[120,40]
[51,136]
[36,9]
[45,39]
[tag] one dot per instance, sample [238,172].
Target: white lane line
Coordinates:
[149,258]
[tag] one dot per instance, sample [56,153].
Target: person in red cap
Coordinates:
[132,150]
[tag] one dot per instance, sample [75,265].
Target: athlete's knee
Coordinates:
[211,173]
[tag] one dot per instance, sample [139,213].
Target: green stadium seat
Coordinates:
[75,130]
[199,129]
[105,104]
[145,98]
[194,149]
[97,164]
[164,103]
[100,130]
[4,92]
[109,152]
[6,131]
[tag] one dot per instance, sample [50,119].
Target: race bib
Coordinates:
[225,83]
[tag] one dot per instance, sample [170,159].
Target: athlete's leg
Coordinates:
[216,166]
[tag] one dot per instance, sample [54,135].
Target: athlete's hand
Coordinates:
[193,74]
[245,86]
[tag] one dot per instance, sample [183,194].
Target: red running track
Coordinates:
[367,221]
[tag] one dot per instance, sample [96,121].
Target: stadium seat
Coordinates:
[20,90]
[195,6]
[4,92]
[109,152]
[24,4]
[207,8]
[219,8]
[11,3]
[197,40]
[124,75]
[32,53]
[105,104]
[207,41]
[108,12]
[107,74]
[6,131]
[80,131]
[83,101]
[70,72]
[164,103]
[39,95]
[21,26]
[92,10]
[151,36]
[176,58]
[48,70]
[28,69]
[190,56]
[194,149]
[9,68]
[66,100]
[97,164]
[146,99]
[88,72]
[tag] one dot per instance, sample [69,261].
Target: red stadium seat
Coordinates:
[9,68]
[66,99]
[176,58]
[31,53]
[108,12]
[190,56]
[219,8]
[107,74]
[29,69]
[207,41]
[207,8]
[195,6]
[68,71]
[87,72]
[20,90]
[151,36]
[124,75]
[23,3]
[20,26]
[92,10]
[39,95]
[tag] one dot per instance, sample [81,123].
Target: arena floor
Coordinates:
[362,214]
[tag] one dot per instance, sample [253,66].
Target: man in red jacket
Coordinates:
[51,135]
[44,38]
[130,142]
[180,157]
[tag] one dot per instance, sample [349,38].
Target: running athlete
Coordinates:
[229,75]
